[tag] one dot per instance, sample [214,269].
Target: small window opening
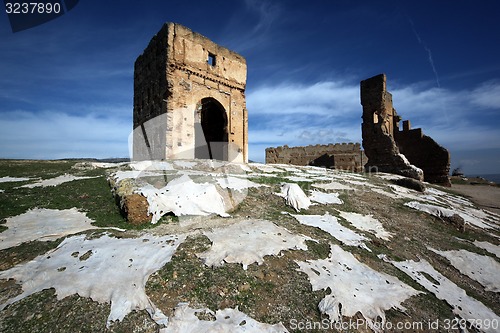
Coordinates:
[211,59]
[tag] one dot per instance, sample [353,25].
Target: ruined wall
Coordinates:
[408,152]
[345,156]
[422,151]
[189,99]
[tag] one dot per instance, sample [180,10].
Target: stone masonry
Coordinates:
[345,156]
[408,152]
[189,99]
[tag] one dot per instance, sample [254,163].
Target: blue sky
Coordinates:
[66,87]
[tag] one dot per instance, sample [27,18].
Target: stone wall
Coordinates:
[189,99]
[422,151]
[346,156]
[409,152]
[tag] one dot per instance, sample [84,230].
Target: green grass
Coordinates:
[275,180]
[44,313]
[259,291]
[320,250]
[40,168]
[92,196]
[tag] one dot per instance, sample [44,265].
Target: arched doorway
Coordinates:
[213,119]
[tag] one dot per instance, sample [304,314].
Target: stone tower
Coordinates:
[408,152]
[189,99]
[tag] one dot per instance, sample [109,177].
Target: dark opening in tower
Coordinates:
[213,120]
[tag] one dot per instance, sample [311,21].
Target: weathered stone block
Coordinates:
[347,156]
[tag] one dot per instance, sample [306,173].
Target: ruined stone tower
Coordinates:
[408,152]
[189,99]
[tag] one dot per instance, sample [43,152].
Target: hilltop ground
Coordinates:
[486,196]
[368,253]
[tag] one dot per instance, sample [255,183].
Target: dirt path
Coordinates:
[485,196]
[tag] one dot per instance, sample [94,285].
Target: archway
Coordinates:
[213,119]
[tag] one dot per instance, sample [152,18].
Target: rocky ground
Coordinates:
[358,253]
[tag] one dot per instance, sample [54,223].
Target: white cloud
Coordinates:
[458,120]
[487,95]
[438,104]
[261,139]
[465,136]
[411,101]
[294,114]
[322,98]
[297,114]
[52,134]
[301,135]
[330,111]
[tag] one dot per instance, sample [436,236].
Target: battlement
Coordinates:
[346,156]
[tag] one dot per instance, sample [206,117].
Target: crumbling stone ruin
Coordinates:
[189,99]
[408,152]
[345,156]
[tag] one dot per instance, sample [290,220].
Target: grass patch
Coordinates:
[319,250]
[275,180]
[24,252]
[92,196]
[31,169]
[272,292]
[42,312]
[459,181]
[346,199]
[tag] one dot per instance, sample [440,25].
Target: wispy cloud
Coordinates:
[252,30]
[428,50]
[487,95]
[267,13]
